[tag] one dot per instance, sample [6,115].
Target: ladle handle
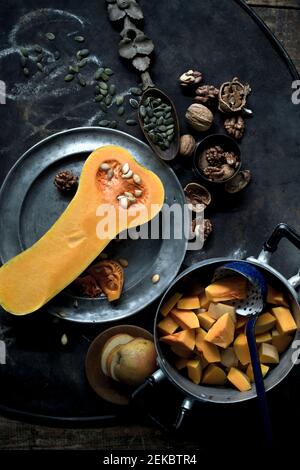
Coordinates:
[282,231]
[259,381]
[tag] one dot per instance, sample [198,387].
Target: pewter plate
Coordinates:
[30,204]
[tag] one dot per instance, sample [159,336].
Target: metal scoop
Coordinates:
[251,307]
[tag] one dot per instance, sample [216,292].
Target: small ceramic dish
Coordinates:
[104,386]
[228,145]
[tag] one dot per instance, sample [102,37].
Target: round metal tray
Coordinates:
[30,204]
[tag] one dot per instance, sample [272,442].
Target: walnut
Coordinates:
[235,126]
[202,228]
[66,181]
[191,77]
[199,117]
[206,94]
[217,164]
[197,196]
[187,145]
[233,96]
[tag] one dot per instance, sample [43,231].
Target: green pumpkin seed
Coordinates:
[40,66]
[112,89]
[143,111]
[24,51]
[98,98]
[108,100]
[158,113]
[97,74]
[81,80]
[153,119]
[119,100]
[168,115]
[131,122]
[82,63]
[37,48]
[104,123]
[160,121]
[170,126]
[113,124]
[56,55]
[136,91]
[50,36]
[170,132]
[97,90]
[73,69]
[23,61]
[26,71]
[103,107]
[79,38]
[104,77]
[108,71]
[103,92]
[83,52]
[170,137]
[162,128]
[134,103]
[146,120]
[69,77]
[103,85]
[169,121]
[39,58]
[121,111]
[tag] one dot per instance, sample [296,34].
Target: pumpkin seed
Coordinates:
[97,74]
[131,122]
[104,77]
[128,175]
[69,77]
[103,107]
[104,123]
[104,166]
[56,55]
[37,48]
[26,71]
[23,61]
[108,100]
[160,121]
[121,111]
[123,201]
[82,63]
[136,91]
[137,179]
[24,51]
[83,53]
[112,89]
[81,80]
[39,58]
[134,103]
[103,85]
[79,38]
[138,192]
[142,111]
[64,340]
[169,121]
[50,36]
[128,194]
[119,100]
[125,168]
[110,174]
[103,92]
[73,69]
[40,66]
[98,98]
[108,71]
[123,262]
[131,199]
[170,137]
[155,278]
[113,124]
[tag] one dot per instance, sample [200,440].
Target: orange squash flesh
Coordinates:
[32,278]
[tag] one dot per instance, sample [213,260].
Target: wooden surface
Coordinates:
[283,18]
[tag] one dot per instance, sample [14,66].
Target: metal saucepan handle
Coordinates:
[281,231]
[185,408]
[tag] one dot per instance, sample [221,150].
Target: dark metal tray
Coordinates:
[44,381]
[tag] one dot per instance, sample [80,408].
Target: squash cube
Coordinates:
[268,354]
[210,351]
[232,288]
[263,338]
[241,349]
[265,322]
[167,326]
[280,341]
[285,322]
[181,363]
[239,379]
[185,318]
[170,303]
[204,302]
[185,338]
[249,372]
[219,309]
[205,320]
[229,358]
[182,351]
[214,375]
[274,297]
[222,332]
[189,303]
[194,370]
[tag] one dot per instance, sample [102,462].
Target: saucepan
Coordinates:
[204,271]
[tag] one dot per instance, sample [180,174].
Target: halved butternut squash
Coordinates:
[94,217]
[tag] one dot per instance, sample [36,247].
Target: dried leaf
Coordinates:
[114,13]
[143,45]
[127,49]
[135,11]
[141,63]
